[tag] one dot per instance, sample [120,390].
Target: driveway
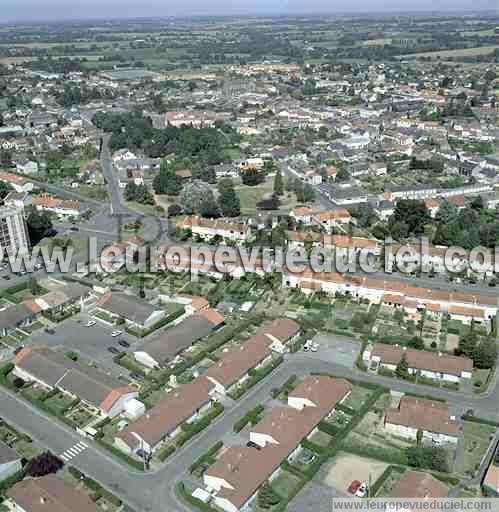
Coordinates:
[91,342]
[334,349]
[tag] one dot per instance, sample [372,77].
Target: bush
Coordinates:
[189,430]
[206,457]
[250,416]
[267,497]
[164,453]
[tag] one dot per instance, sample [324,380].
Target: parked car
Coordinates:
[136,376]
[91,323]
[49,330]
[113,350]
[124,343]
[314,347]
[74,228]
[251,444]
[7,278]
[114,334]
[363,490]
[354,486]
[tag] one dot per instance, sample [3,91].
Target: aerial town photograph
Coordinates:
[249,255]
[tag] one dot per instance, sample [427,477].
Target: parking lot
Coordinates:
[91,342]
[335,349]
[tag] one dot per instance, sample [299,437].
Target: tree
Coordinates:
[228,199]
[467,345]
[252,177]
[278,184]
[5,188]
[410,213]
[209,207]
[402,370]
[342,175]
[193,195]
[44,464]
[485,355]
[174,210]
[39,225]
[5,158]
[138,193]
[166,181]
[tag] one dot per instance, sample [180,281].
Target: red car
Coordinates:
[354,486]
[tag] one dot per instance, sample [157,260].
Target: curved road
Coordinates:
[154,491]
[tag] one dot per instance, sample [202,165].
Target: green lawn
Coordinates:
[357,397]
[284,483]
[321,438]
[477,438]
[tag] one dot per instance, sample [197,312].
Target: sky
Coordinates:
[32,10]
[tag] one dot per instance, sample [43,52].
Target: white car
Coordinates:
[314,347]
[362,491]
[90,323]
[116,333]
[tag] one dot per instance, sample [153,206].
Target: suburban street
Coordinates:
[155,490]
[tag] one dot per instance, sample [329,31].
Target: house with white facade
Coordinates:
[415,414]
[432,365]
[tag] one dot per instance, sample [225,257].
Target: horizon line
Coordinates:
[272,14]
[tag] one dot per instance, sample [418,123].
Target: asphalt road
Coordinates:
[155,491]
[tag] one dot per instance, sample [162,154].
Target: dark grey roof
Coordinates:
[128,307]
[173,341]
[11,318]
[7,454]
[57,370]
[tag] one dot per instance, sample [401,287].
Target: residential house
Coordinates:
[134,312]
[18,316]
[490,483]
[26,167]
[236,362]
[419,485]
[173,341]
[54,370]
[60,207]
[302,214]
[181,405]
[419,414]
[63,297]
[239,471]
[48,493]
[332,218]
[429,364]
[467,315]
[18,183]
[10,461]
[207,228]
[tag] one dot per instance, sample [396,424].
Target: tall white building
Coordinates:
[13,231]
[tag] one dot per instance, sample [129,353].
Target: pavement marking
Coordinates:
[74,451]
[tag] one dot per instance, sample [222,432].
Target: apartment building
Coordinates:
[13,231]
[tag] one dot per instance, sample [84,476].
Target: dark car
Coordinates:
[124,343]
[251,444]
[136,376]
[6,278]
[48,330]
[114,350]
[74,228]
